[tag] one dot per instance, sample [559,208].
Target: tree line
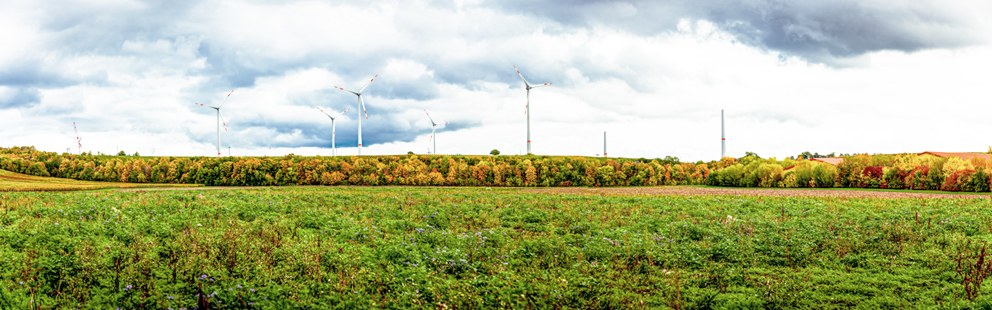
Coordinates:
[419,170]
[901,171]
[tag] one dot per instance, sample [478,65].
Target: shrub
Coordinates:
[850,170]
[978,182]
[957,180]
[769,175]
[871,177]
[824,176]
[895,178]
[954,165]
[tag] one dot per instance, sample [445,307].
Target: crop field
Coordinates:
[469,248]
[12,181]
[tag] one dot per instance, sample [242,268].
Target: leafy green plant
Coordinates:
[477,248]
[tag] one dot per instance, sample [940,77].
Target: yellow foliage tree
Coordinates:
[955,164]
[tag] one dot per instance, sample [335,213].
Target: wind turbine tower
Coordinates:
[334,150]
[433,127]
[361,107]
[527,111]
[604,144]
[723,138]
[220,118]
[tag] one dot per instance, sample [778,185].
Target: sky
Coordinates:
[871,76]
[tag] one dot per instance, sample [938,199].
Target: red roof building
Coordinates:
[965,156]
[831,160]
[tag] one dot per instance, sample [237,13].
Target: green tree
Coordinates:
[748,158]
[495,152]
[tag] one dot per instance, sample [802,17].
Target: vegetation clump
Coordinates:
[403,248]
[415,170]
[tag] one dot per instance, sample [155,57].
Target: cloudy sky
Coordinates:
[873,76]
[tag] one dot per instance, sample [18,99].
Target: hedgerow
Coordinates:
[358,170]
[904,171]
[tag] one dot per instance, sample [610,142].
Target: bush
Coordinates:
[978,182]
[871,177]
[895,178]
[769,175]
[824,176]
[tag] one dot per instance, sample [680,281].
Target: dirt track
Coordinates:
[671,190]
[192,188]
[689,191]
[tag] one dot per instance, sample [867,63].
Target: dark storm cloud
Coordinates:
[378,130]
[32,73]
[379,133]
[19,98]
[90,28]
[820,31]
[234,70]
[824,30]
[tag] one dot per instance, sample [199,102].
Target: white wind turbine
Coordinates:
[220,118]
[527,111]
[433,127]
[334,151]
[361,107]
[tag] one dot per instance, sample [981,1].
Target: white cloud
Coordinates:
[656,94]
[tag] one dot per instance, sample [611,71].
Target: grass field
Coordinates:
[476,248]
[12,181]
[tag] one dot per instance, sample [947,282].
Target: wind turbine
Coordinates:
[433,127]
[220,118]
[723,138]
[527,111]
[334,151]
[78,139]
[361,107]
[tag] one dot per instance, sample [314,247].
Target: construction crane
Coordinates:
[78,140]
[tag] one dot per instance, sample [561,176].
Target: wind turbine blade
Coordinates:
[325,113]
[363,108]
[521,76]
[367,85]
[352,92]
[225,99]
[222,121]
[539,85]
[429,117]
[447,123]
[342,113]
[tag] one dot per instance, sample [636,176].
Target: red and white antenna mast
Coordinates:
[78,139]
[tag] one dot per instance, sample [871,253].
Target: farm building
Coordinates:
[964,156]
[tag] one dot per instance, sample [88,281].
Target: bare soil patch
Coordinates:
[693,191]
[193,188]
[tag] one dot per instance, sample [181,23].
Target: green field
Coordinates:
[477,248]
